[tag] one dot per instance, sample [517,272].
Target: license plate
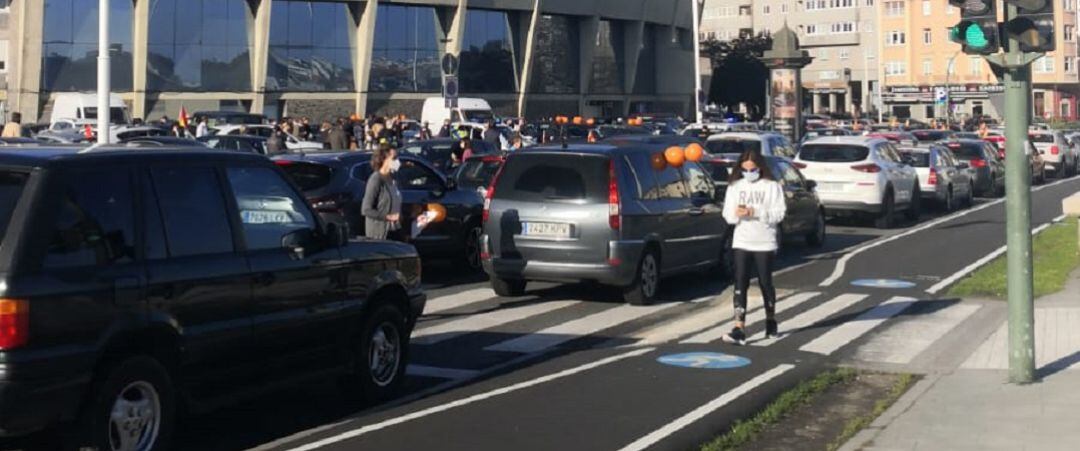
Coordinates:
[830,186]
[546,230]
[265,217]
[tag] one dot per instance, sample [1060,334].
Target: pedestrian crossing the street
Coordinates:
[753,318]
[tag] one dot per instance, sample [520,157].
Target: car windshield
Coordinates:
[478,116]
[308,176]
[966,151]
[833,153]
[1041,138]
[919,159]
[543,177]
[11,188]
[477,173]
[719,146]
[930,135]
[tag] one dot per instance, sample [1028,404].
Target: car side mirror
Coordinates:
[294,242]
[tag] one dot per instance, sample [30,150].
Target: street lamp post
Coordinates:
[103,73]
[695,7]
[948,87]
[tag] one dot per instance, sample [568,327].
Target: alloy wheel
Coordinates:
[135,418]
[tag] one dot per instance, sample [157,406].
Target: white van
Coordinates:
[81,108]
[468,110]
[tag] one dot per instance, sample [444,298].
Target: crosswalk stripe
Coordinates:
[713,334]
[556,335]
[815,315]
[905,340]
[851,330]
[457,300]
[472,323]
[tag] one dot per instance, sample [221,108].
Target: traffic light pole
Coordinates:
[1017,68]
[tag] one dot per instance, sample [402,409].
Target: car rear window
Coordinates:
[308,176]
[966,151]
[553,177]
[477,173]
[833,153]
[11,188]
[1041,138]
[738,146]
[919,159]
[929,135]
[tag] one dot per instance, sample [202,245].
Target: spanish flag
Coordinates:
[183,117]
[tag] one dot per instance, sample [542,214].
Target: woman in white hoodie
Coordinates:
[754,205]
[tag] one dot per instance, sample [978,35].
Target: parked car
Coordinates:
[292,142]
[768,143]
[819,132]
[161,141]
[238,143]
[861,175]
[987,169]
[599,213]
[146,283]
[931,135]
[1060,155]
[335,182]
[438,151]
[942,177]
[900,138]
[805,218]
[477,172]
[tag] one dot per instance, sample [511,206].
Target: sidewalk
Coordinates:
[973,408]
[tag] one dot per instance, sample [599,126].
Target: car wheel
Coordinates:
[970,196]
[915,205]
[816,238]
[131,408]
[472,249]
[381,354]
[508,287]
[647,280]
[950,203]
[885,217]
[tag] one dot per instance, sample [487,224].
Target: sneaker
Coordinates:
[735,337]
[771,330]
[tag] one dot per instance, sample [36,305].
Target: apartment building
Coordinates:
[919,60]
[841,35]
[5,26]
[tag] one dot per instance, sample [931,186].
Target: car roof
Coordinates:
[850,140]
[45,156]
[748,136]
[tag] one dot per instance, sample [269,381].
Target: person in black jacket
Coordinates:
[381,206]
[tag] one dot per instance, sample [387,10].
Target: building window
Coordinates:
[70,43]
[829,75]
[1044,65]
[1070,65]
[823,55]
[310,48]
[894,8]
[1070,31]
[895,68]
[198,45]
[811,29]
[976,66]
[406,56]
[783,8]
[745,10]
[487,58]
[1065,108]
[869,3]
[845,54]
[3,56]
[1070,5]
[926,8]
[895,38]
[766,10]
[927,67]
[927,36]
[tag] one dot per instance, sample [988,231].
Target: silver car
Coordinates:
[1059,154]
[942,177]
[607,213]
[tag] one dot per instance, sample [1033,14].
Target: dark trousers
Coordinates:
[763,261]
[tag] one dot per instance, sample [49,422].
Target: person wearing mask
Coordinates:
[13,129]
[381,206]
[754,205]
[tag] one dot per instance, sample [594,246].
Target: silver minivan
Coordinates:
[606,213]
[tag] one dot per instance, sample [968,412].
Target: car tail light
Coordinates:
[613,197]
[1054,150]
[491,194]
[14,323]
[932,180]
[871,168]
[799,165]
[283,162]
[978,163]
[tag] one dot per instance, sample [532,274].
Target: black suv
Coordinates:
[334,182]
[136,284]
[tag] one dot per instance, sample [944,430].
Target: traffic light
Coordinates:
[977,31]
[1033,26]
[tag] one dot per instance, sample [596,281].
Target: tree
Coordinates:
[738,75]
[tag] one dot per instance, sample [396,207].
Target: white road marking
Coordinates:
[710,407]
[753,317]
[482,321]
[982,261]
[841,264]
[556,335]
[814,315]
[457,300]
[466,401]
[441,373]
[904,341]
[851,330]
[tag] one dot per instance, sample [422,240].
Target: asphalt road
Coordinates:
[570,367]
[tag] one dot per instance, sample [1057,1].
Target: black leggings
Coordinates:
[764,263]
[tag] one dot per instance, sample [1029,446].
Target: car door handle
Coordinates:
[696,212]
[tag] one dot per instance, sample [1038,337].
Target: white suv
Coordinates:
[857,174]
[1056,150]
[768,144]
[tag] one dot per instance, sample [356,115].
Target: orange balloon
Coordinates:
[694,152]
[658,161]
[577,120]
[439,210]
[590,122]
[675,156]
[561,120]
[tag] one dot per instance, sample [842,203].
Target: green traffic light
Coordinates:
[975,37]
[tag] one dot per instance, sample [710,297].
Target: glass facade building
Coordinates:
[556,69]
[406,51]
[310,47]
[70,45]
[487,56]
[198,45]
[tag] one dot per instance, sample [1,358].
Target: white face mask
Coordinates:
[751,176]
[395,165]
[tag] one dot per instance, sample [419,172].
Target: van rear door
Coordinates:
[552,207]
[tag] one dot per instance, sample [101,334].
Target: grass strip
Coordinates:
[743,432]
[853,426]
[1055,257]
